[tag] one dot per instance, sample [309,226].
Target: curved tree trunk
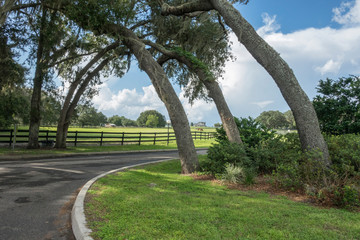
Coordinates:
[227,119]
[72,98]
[162,85]
[68,110]
[299,103]
[215,93]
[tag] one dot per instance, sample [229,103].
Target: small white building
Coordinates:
[200,124]
[108,125]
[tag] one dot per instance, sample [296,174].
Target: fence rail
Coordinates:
[48,137]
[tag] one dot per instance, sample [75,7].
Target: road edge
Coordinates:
[78,220]
[9,158]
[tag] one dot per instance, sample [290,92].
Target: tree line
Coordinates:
[81,41]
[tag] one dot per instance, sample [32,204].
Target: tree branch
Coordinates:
[186,8]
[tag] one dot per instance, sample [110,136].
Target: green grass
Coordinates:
[158,203]
[88,149]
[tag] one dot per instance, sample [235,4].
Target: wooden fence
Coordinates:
[48,137]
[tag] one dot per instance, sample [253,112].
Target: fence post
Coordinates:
[122,138]
[47,135]
[195,135]
[154,138]
[140,138]
[200,135]
[76,133]
[168,136]
[14,140]
[101,139]
[11,137]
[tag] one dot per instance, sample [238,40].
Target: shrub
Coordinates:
[233,173]
[344,150]
[251,132]
[279,150]
[236,174]
[220,154]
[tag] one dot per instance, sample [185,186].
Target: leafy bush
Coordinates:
[251,132]
[272,152]
[223,153]
[345,150]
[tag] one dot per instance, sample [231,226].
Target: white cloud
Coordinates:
[330,66]
[263,104]
[312,53]
[200,110]
[270,26]
[128,102]
[348,13]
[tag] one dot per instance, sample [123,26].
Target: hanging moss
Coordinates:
[196,63]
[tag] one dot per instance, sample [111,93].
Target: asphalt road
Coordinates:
[36,196]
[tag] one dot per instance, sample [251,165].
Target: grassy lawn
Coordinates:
[88,149]
[156,202]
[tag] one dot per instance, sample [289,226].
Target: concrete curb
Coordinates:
[78,220]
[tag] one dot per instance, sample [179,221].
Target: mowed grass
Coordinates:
[156,202]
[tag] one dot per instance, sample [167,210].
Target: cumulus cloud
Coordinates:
[263,104]
[128,102]
[312,53]
[200,110]
[348,13]
[330,66]
[270,25]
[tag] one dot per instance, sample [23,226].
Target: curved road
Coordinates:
[36,196]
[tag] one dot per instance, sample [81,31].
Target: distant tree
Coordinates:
[115,120]
[338,105]
[143,118]
[152,121]
[50,109]
[290,119]
[272,119]
[128,122]
[217,125]
[89,116]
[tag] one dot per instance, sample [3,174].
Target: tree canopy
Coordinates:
[338,105]
[151,118]
[273,119]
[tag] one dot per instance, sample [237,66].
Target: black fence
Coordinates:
[48,137]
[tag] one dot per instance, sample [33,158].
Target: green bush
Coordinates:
[251,132]
[345,150]
[223,153]
[279,150]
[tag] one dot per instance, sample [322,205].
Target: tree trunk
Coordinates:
[71,101]
[302,108]
[227,119]
[35,114]
[162,85]
[215,93]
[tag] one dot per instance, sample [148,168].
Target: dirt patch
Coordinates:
[262,184]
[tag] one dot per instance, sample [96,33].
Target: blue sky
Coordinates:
[319,39]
